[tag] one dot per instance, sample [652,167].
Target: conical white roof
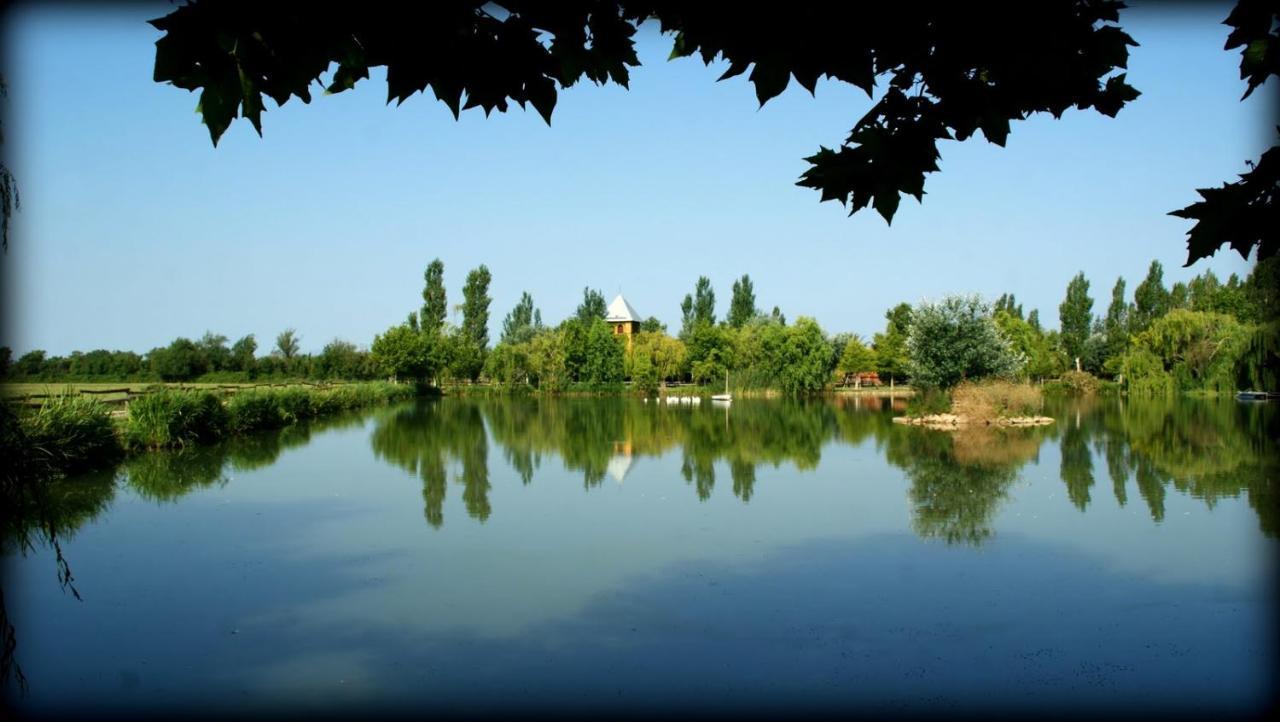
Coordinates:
[620,310]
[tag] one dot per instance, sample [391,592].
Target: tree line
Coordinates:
[210,358]
[584,352]
[1203,334]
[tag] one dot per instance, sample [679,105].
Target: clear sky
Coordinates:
[134,229]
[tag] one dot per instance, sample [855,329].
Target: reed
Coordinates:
[168,419]
[69,433]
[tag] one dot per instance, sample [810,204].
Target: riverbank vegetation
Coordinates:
[70,433]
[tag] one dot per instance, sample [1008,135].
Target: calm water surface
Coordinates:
[586,554]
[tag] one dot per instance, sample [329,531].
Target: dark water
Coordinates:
[605,554]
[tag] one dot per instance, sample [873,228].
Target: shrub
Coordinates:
[174,418]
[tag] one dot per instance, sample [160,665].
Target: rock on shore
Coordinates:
[948,421]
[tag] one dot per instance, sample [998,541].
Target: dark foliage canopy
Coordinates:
[936,71]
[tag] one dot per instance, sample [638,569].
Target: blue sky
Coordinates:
[134,229]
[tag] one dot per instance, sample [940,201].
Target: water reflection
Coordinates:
[957,480]
[1206,450]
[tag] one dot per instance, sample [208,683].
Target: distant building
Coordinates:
[624,319]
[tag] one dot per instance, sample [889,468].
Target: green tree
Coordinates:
[435,304]
[742,306]
[1261,293]
[340,360]
[704,302]
[899,318]
[1033,318]
[956,339]
[214,348]
[592,307]
[475,308]
[1031,343]
[1116,325]
[1192,350]
[508,363]
[856,357]
[1007,303]
[709,352]
[523,322]
[604,357]
[403,353]
[548,360]
[30,364]
[806,358]
[244,354]
[891,345]
[1076,316]
[1150,299]
[287,344]
[182,360]
[653,325]
[663,354]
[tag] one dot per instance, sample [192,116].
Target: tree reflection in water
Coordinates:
[958,478]
[1207,450]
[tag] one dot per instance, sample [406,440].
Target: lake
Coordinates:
[604,554]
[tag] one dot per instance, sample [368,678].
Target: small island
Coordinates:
[963,366]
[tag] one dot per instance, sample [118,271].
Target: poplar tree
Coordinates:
[1116,326]
[523,321]
[592,307]
[742,306]
[475,308]
[1075,315]
[434,303]
[704,302]
[1150,298]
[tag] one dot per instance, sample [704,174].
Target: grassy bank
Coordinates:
[68,433]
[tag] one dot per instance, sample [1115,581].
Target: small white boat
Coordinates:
[726,397]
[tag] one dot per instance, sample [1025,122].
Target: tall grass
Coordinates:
[255,410]
[167,419]
[995,399]
[175,418]
[69,433]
